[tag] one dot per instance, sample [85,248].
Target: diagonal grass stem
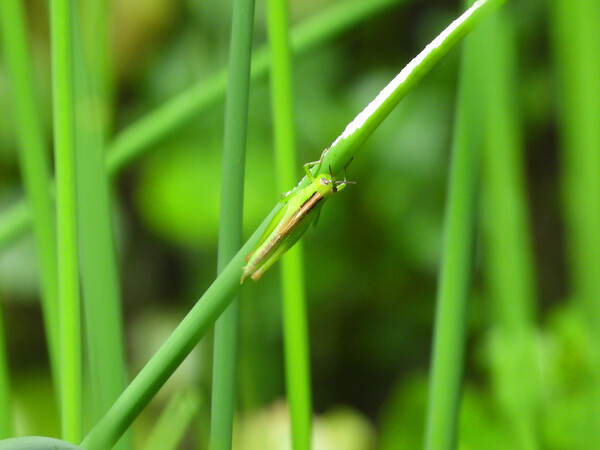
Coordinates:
[222,291]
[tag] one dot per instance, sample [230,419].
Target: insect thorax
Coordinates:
[325,185]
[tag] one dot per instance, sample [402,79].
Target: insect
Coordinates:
[302,207]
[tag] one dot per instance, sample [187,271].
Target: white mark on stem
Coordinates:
[360,120]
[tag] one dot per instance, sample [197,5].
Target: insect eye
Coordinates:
[324,181]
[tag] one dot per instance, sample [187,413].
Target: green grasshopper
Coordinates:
[302,207]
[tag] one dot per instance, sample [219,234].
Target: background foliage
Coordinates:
[371,265]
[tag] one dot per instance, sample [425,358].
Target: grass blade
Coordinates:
[230,221]
[34,164]
[61,31]
[457,261]
[576,27]
[227,284]
[99,271]
[577,43]
[96,15]
[508,249]
[295,328]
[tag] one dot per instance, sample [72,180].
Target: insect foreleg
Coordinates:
[307,167]
[311,164]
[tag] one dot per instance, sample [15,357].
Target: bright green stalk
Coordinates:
[140,137]
[168,357]
[225,287]
[97,29]
[356,133]
[169,430]
[99,271]
[508,254]
[230,222]
[34,163]
[61,21]
[454,284]
[577,46]
[6,428]
[293,292]
[576,27]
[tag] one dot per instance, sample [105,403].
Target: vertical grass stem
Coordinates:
[61,21]
[34,162]
[454,285]
[230,221]
[295,327]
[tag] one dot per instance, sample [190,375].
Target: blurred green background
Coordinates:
[372,263]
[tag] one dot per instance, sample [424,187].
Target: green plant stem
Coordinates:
[576,27]
[454,284]
[510,254]
[61,21]
[99,272]
[295,328]
[96,20]
[143,135]
[170,354]
[356,133]
[508,250]
[6,427]
[230,221]
[34,164]
[225,287]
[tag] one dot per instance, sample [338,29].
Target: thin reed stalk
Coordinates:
[99,272]
[576,33]
[293,292]
[63,87]
[97,32]
[454,285]
[230,221]
[508,249]
[34,162]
